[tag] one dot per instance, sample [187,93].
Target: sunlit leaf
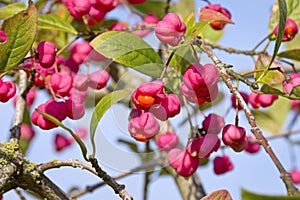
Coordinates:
[53,22]
[102,106]
[21,30]
[183,58]
[273,119]
[219,194]
[209,14]
[246,195]
[273,76]
[129,50]
[151,6]
[11,9]
[293,54]
[58,123]
[207,32]
[293,12]
[184,7]
[281,26]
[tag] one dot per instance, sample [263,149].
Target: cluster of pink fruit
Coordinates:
[63,82]
[94,10]
[151,104]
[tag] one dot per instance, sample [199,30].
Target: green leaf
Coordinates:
[184,7]
[102,106]
[129,50]
[11,9]
[58,123]
[151,6]
[296,91]
[293,54]
[182,58]
[54,22]
[274,117]
[246,195]
[281,26]
[270,76]
[21,30]
[293,12]
[210,34]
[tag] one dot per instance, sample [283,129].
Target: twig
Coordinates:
[119,189]
[63,163]
[285,176]
[232,50]
[20,106]
[144,166]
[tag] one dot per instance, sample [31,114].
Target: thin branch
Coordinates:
[285,176]
[20,106]
[145,166]
[232,50]
[64,163]
[119,189]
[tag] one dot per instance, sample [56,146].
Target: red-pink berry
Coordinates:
[144,127]
[118,26]
[148,19]
[203,147]
[95,16]
[235,137]
[136,1]
[263,100]
[184,164]
[252,145]
[80,52]
[168,107]
[53,108]
[61,142]
[167,141]
[217,7]
[7,90]
[222,164]
[47,53]
[295,174]
[170,29]
[98,79]
[148,94]
[3,37]
[61,83]
[27,133]
[78,8]
[105,5]
[75,107]
[290,30]
[234,102]
[81,82]
[41,74]
[293,81]
[200,83]
[213,123]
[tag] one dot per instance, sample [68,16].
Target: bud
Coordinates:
[213,123]
[235,137]
[170,29]
[144,127]
[167,141]
[222,164]
[290,30]
[184,164]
